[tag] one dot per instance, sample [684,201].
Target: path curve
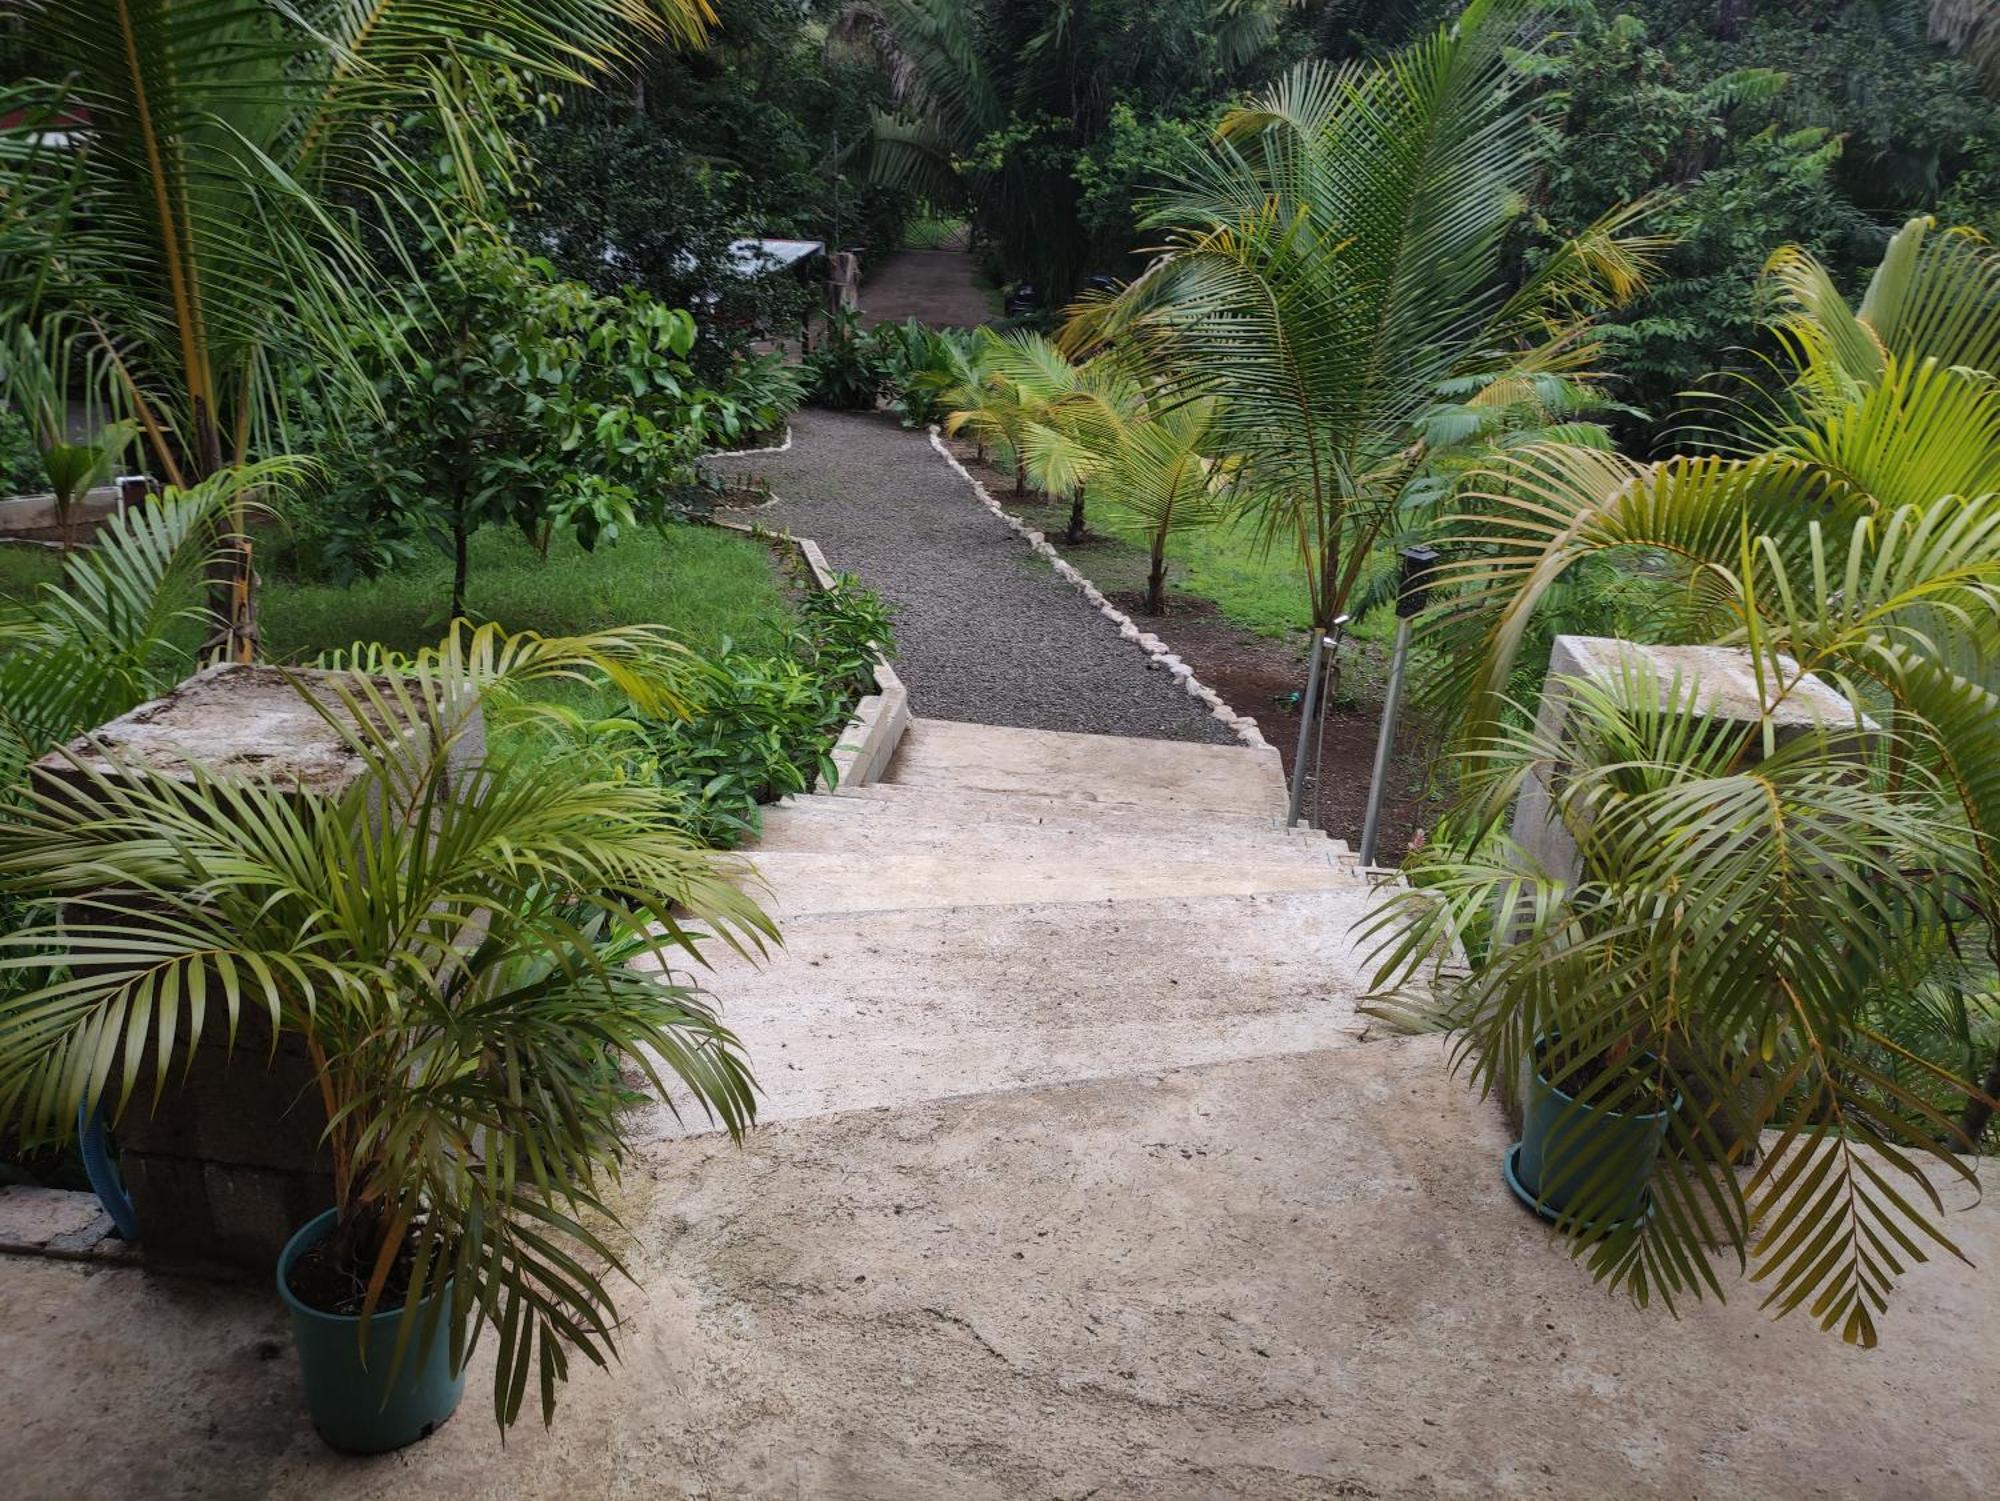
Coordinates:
[986,631]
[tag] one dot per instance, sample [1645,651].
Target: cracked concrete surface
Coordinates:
[1032,1219]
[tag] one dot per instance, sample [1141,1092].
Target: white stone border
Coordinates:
[1244,726]
[745,453]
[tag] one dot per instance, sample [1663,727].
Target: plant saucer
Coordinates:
[1510,1169]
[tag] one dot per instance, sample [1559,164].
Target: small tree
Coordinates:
[528,400]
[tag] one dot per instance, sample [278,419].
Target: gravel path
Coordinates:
[937,287]
[987,633]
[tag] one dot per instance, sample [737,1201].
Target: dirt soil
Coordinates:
[1261,676]
[939,288]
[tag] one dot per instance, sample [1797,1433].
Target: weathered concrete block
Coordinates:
[229,1162]
[1728,689]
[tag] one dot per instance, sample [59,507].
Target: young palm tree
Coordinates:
[115,631]
[227,153]
[1030,402]
[473,948]
[1769,902]
[1158,465]
[1336,257]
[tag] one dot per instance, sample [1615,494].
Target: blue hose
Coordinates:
[103,1172]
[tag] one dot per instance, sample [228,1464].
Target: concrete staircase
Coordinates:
[1013,908]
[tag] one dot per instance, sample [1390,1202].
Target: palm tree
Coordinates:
[1750,916]
[1337,256]
[1156,463]
[114,632]
[472,944]
[214,252]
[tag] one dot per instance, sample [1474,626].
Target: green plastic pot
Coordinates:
[345,1393]
[1568,1147]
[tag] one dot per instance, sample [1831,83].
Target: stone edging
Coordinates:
[744,453]
[876,728]
[1244,726]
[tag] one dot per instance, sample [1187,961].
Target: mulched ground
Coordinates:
[1261,676]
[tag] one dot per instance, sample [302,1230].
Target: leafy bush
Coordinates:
[849,369]
[762,727]
[760,393]
[925,365]
[20,461]
[517,398]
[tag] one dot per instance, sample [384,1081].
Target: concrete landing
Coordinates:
[1080,1175]
[1098,768]
[1291,1277]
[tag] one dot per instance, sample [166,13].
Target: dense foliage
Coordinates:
[646,184]
[762,727]
[1767,923]
[1760,125]
[507,396]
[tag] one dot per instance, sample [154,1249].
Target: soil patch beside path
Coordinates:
[1260,676]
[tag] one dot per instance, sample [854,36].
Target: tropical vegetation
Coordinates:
[471,946]
[1764,924]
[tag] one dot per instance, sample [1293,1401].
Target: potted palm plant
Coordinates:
[1702,975]
[474,942]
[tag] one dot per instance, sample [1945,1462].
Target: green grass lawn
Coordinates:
[1260,588]
[702,584]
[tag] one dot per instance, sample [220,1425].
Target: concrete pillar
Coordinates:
[1728,690]
[230,1162]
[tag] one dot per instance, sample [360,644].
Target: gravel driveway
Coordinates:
[987,633]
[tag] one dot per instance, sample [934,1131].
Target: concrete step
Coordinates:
[858,1011]
[802,883]
[953,804]
[827,824]
[1094,768]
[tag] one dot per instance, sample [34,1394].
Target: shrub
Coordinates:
[762,727]
[850,369]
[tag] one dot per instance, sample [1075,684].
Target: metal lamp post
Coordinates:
[1315,672]
[1418,566]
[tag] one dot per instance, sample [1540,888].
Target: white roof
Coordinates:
[760,257]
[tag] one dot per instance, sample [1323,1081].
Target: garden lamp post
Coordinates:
[1418,565]
[1315,672]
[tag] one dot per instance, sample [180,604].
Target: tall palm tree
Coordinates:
[224,158]
[1337,255]
[1778,904]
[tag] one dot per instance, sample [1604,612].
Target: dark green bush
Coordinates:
[763,727]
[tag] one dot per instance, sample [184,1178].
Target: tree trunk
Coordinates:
[1075,532]
[1156,577]
[232,581]
[1020,478]
[1978,1113]
[1730,18]
[459,534]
